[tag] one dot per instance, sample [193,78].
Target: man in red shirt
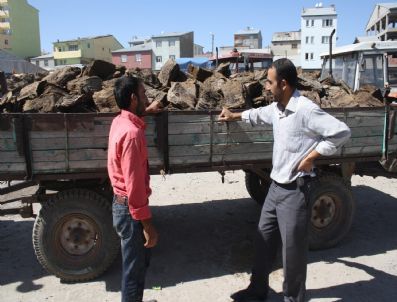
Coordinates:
[128,173]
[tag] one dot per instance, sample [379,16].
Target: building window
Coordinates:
[73,47]
[307,40]
[159,44]
[6,42]
[138,57]
[37,63]
[159,59]
[172,57]
[294,45]
[312,22]
[307,56]
[171,43]
[327,22]
[325,40]
[88,45]
[312,40]
[59,49]
[307,23]
[45,62]
[103,48]
[311,56]
[124,58]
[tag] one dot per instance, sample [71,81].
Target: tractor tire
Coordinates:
[73,235]
[331,210]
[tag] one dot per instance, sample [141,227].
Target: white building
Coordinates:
[46,62]
[287,45]
[317,23]
[171,46]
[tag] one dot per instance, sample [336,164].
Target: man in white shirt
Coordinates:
[302,132]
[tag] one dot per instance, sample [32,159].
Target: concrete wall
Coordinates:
[145,63]
[183,48]
[103,48]
[25,32]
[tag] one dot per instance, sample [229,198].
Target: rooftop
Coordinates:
[171,34]
[248,31]
[47,56]
[286,36]
[319,11]
[137,48]
[363,46]
[84,38]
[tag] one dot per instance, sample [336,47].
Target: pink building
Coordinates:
[136,56]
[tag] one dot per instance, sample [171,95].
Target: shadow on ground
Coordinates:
[212,239]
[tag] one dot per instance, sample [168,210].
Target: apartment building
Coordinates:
[19,28]
[317,23]
[85,50]
[171,46]
[287,45]
[248,38]
[138,56]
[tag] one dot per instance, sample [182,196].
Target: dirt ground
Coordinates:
[205,249]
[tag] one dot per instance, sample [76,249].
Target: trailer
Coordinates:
[64,155]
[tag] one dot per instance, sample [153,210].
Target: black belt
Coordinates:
[121,200]
[300,181]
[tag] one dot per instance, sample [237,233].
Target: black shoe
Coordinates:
[248,295]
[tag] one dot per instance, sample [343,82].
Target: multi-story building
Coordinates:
[19,28]
[46,62]
[317,23]
[287,45]
[85,50]
[171,46]
[248,38]
[140,56]
[382,23]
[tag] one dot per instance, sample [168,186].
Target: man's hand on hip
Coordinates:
[307,164]
[150,233]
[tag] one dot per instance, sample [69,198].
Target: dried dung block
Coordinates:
[198,73]
[183,95]
[85,84]
[101,69]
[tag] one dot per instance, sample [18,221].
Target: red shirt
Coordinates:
[128,163]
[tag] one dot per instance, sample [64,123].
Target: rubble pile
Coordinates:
[90,89]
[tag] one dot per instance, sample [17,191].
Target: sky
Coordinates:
[70,19]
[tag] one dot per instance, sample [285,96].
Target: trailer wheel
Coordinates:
[331,206]
[257,186]
[73,235]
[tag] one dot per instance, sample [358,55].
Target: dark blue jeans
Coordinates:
[135,256]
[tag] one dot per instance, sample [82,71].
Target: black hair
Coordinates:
[286,70]
[123,89]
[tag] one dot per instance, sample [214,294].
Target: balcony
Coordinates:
[67,54]
[4,14]
[4,25]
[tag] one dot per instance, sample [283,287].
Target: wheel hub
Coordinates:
[323,211]
[78,236]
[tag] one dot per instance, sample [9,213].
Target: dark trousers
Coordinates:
[284,218]
[135,256]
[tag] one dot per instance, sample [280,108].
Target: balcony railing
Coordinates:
[67,54]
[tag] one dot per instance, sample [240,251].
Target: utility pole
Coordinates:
[212,43]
